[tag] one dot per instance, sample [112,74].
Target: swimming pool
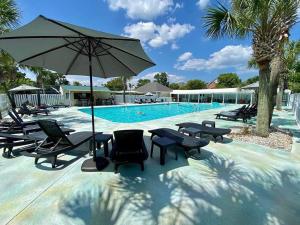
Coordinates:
[139,113]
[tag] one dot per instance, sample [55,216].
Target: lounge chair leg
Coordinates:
[198,149]
[54,161]
[36,160]
[9,152]
[151,150]
[116,167]
[142,166]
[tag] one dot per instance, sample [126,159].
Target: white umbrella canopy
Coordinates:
[24,87]
[148,94]
[254,86]
[71,49]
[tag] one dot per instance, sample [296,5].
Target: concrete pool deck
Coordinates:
[229,183]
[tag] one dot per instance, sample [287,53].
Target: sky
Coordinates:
[171,31]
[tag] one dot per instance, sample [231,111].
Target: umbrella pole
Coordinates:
[96,163]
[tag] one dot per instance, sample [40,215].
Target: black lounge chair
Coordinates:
[9,141]
[27,126]
[61,143]
[213,131]
[24,110]
[188,143]
[128,147]
[234,115]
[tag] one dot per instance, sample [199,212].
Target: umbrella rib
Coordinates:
[126,52]
[64,26]
[78,32]
[104,38]
[98,60]
[74,59]
[36,37]
[76,47]
[49,50]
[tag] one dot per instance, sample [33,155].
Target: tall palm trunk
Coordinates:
[280,94]
[276,69]
[264,98]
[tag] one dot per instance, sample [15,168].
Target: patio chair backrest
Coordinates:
[12,115]
[17,115]
[129,140]
[53,131]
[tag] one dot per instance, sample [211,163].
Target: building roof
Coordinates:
[213,84]
[252,86]
[84,88]
[212,91]
[153,87]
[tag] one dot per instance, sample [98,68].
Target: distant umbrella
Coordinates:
[148,94]
[23,88]
[70,49]
[27,88]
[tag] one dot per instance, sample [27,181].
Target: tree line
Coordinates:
[225,80]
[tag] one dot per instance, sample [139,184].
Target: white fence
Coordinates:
[48,99]
[4,103]
[131,98]
[294,102]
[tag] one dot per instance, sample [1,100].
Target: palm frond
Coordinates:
[9,14]
[219,22]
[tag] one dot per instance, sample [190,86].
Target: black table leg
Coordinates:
[106,148]
[162,156]
[151,150]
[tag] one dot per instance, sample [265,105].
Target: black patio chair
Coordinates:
[129,147]
[61,143]
[8,141]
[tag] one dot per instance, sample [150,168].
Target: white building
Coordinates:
[222,95]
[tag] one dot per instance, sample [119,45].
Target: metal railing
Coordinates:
[294,103]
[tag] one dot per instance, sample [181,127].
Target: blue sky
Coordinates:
[171,31]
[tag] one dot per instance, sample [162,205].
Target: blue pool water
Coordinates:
[139,113]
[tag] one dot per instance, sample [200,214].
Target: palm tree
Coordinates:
[290,57]
[9,17]
[268,23]
[125,79]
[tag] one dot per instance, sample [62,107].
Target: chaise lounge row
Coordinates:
[50,139]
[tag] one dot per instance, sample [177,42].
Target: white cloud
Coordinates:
[141,9]
[172,78]
[174,46]
[85,80]
[231,56]
[298,12]
[202,4]
[185,56]
[157,35]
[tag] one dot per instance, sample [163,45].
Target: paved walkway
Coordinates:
[230,183]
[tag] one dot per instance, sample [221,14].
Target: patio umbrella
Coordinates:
[71,49]
[24,88]
[148,94]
